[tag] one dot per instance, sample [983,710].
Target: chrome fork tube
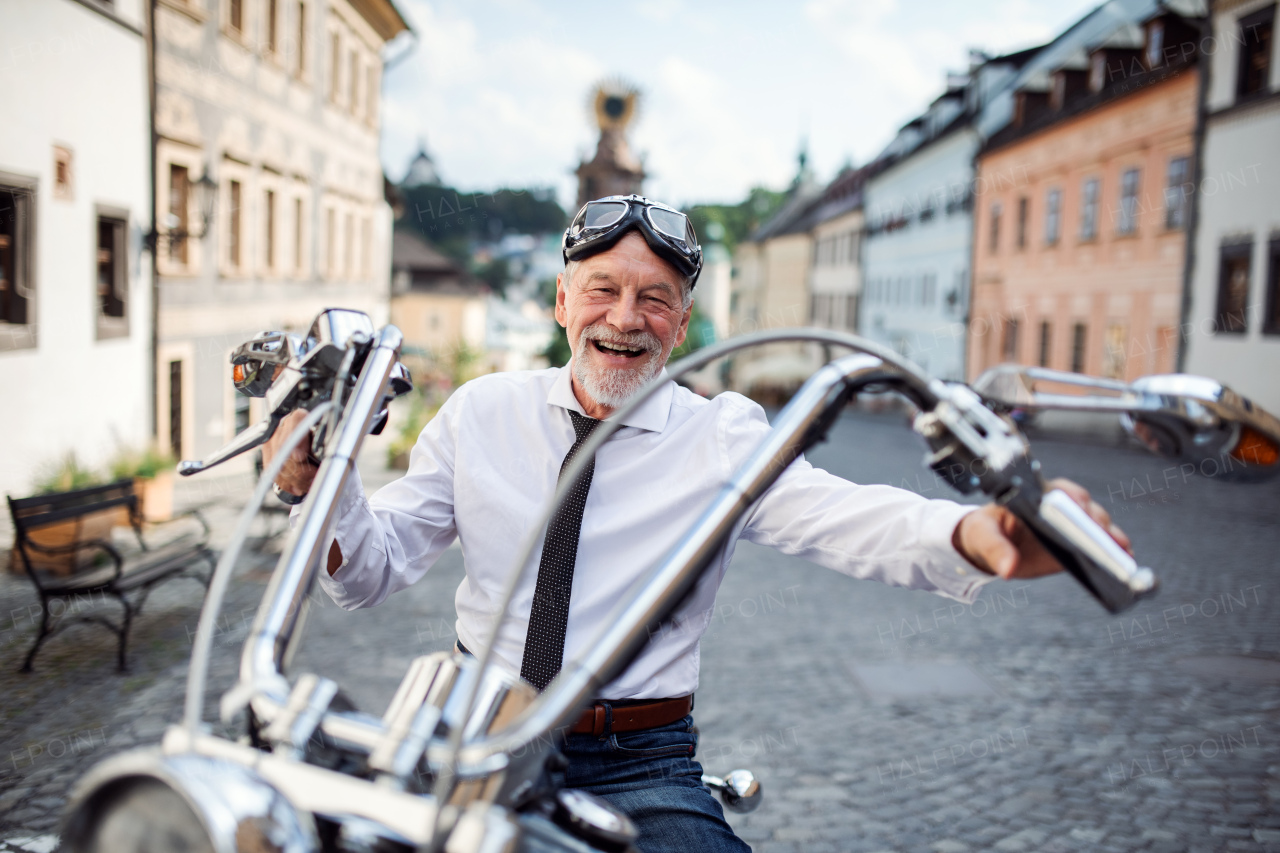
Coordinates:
[665,586]
[262,662]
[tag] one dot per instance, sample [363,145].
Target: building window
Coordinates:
[330,238]
[1078,336]
[353,84]
[371,96]
[241,413]
[273,35]
[349,246]
[175,408]
[1271,322]
[1254,74]
[63,174]
[235,16]
[335,67]
[1010,340]
[1089,194]
[1097,71]
[233,224]
[366,247]
[1045,330]
[112,277]
[1128,202]
[16,221]
[179,212]
[269,228]
[851,312]
[301,67]
[1053,217]
[1023,210]
[1155,43]
[1113,356]
[1233,288]
[297,235]
[1175,194]
[994,235]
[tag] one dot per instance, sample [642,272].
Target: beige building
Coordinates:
[798,269]
[434,302]
[269,187]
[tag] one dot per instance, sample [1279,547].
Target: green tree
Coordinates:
[733,223]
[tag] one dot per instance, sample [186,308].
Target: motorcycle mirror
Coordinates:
[1179,416]
[253,363]
[739,790]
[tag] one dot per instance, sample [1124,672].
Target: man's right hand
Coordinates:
[298,471]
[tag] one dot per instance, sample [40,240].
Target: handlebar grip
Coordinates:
[1088,552]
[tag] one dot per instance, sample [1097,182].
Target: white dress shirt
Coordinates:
[486,465]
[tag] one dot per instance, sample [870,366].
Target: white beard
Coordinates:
[609,386]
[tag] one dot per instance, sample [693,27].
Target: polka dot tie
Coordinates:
[549,616]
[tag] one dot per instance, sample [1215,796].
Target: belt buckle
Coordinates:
[598,722]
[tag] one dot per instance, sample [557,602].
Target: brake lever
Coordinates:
[977,450]
[252,437]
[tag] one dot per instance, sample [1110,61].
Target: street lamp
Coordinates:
[206,190]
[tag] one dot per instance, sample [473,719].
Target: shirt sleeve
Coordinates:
[391,539]
[871,532]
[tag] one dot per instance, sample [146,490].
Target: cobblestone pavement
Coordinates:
[878,719]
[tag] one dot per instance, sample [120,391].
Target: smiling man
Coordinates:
[485,466]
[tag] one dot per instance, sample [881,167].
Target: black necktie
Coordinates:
[549,616]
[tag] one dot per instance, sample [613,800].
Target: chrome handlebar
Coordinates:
[1193,419]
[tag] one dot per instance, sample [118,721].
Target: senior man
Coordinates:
[484,467]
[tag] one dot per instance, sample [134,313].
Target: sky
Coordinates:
[498,89]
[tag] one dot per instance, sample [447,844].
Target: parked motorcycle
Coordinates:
[463,760]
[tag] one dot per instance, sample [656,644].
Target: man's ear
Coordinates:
[562,316]
[684,324]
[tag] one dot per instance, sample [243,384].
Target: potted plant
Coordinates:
[67,474]
[152,473]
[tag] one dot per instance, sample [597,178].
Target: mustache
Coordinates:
[637,340]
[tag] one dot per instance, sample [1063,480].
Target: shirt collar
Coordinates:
[652,414]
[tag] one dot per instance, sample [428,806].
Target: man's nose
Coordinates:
[625,315]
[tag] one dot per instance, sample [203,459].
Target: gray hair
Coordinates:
[686,283]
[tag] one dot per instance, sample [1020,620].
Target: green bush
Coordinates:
[145,464]
[65,475]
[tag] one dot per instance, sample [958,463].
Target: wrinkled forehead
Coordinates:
[631,258]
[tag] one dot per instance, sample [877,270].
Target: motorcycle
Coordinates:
[463,760]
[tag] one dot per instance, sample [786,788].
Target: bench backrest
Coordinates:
[40,510]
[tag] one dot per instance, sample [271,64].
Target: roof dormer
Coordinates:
[1069,81]
[1117,57]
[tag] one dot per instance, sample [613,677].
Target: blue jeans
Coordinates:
[652,777]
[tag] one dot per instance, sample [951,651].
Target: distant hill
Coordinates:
[454,221]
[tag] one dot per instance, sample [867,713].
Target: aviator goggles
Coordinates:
[602,223]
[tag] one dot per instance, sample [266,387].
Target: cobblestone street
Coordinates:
[877,719]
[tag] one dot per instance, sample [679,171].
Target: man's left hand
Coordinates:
[994,540]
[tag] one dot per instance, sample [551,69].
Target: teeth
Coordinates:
[616,348]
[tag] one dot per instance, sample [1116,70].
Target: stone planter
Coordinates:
[155,496]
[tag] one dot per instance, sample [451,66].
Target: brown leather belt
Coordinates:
[632,717]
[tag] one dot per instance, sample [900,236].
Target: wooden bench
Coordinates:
[60,573]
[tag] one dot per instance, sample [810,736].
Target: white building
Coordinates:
[919,234]
[278,103]
[1232,331]
[75,284]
